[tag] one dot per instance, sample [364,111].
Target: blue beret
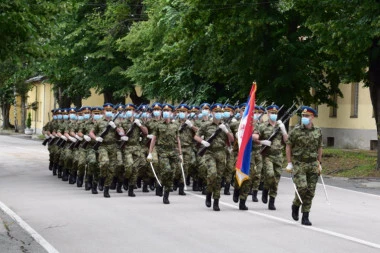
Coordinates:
[216,106]
[72,109]
[205,106]
[85,108]
[96,108]
[156,106]
[259,108]
[229,107]
[243,105]
[130,106]
[194,108]
[167,107]
[119,107]
[183,107]
[308,110]
[65,110]
[108,106]
[143,108]
[272,108]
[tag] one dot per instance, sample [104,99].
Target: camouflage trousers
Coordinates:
[244,188]
[134,160]
[68,157]
[305,178]
[92,164]
[189,162]
[145,172]
[80,161]
[215,162]
[272,173]
[168,162]
[54,153]
[256,168]
[193,170]
[229,171]
[108,161]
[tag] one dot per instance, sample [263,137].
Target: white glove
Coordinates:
[266,143]
[319,168]
[282,127]
[223,127]
[47,136]
[99,139]
[87,138]
[72,139]
[188,122]
[52,136]
[149,157]
[205,143]
[78,137]
[63,138]
[150,136]
[181,158]
[289,167]
[137,122]
[112,124]
[124,138]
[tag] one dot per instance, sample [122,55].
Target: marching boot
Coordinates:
[101,183]
[50,165]
[195,186]
[208,199]
[73,178]
[80,181]
[65,176]
[181,189]
[227,188]
[261,186]
[125,184]
[106,192]
[188,180]
[242,205]
[254,196]
[138,182]
[59,171]
[271,205]
[166,197]
[130,191]
[305,219]
[295,212]
[216,205]
[118,187]
[88,183]
[151,184]
[55,166]
[222,184]
[264,197]
[235,197]
[159,191]
[175,185]
[145,187]
[113,184]
[94,188]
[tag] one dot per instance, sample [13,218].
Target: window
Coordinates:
[354,100]
[333,109]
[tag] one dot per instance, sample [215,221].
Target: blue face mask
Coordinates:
[86,116]
[128,114]
[256,116]
[205,112]
[59,116]
[55,117]
[273,117]
[192,114]
[80,117]
[73,116]
[237,115]
[218,115]
[226,115]
[98,117]
[305,121]
[109,114]
[137,115]
[166,115]
[156,113]
[181,115]
[65,117]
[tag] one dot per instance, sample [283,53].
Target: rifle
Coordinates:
[275,131]
[128,134]
[45,141]
[105,132]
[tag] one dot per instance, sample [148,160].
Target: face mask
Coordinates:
[182,115]
[66,117]
[256,116]
[218,115]
[86,116]
[237,115]
[166,115]
[73,116]
[97,117]
[137,115]
[109,114]
[273,117]
[205,112]
[305,121]
[226,115]
[80,117]
[59,116]
[128,114]
[144,115]
[55,117]
[192,114]
[156,113]
[200,115]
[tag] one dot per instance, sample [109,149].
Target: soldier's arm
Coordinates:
[320,154]
[288,153]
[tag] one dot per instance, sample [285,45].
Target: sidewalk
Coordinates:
[19,134]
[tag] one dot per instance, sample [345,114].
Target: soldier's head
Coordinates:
[129,110]
[167,111]
[156,109]
[272,111]
[65,113]
[97,112]
[119,108]
[86,112]
[194,111]
[259,111]
[145,111]
[307,115]
[182,111]
[205,109]
[108,110]
[228,111]
[217,111]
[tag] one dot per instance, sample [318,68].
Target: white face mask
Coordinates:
[273,117]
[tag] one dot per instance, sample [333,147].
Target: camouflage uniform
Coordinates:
[256,167]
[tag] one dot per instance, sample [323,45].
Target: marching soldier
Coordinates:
[304,154]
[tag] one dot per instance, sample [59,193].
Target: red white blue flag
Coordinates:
[245,139]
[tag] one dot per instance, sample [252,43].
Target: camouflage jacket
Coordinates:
[166,134]
[207,129]
[265,130]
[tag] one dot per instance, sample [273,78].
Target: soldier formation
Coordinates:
[163,148]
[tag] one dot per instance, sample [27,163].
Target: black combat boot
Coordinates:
[305,219]
[94,188]
[166,197]
[271,205]
[151,184]
[125,184]
[254,196]
[101,183]
[188,180]
[118,187]
[181,189]
[208,199]
[55,167]
[59,168]
[195,186]
[235,197]
[106,192]
[88,183]
[145,187]
[65,176]
[73,178]
[113,184]
[80,181]
[223,182]
[130,191]
[261,186]
[138,182]
[175,185]
[227,188]
[295,212]
[51,165]
[159,191]
[264,197]
[242,205]
[216,205]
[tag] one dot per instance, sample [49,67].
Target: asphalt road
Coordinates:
[43,214]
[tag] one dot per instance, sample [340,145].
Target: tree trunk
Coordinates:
[138,100]
[23,113]
[5,108]
[374,88]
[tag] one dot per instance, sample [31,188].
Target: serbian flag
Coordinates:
[245,139]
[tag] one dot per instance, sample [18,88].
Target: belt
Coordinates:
[306,159]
